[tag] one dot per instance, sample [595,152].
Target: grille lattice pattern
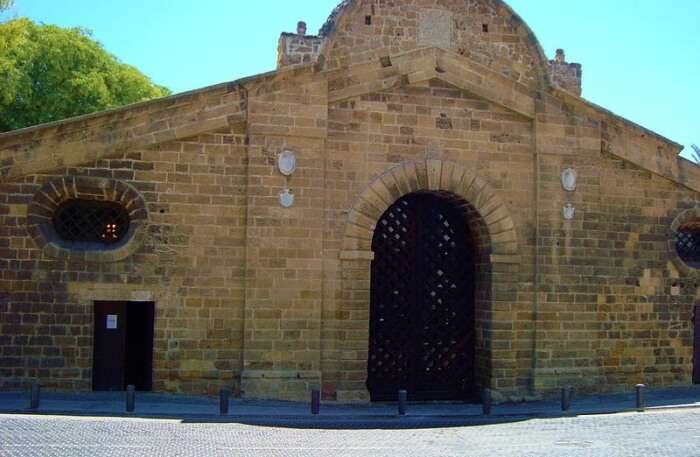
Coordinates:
[688,245]
[422,310]
[91,221]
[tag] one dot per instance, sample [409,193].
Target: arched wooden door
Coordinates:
[422,302]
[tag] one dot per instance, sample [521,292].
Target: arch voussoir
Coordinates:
[472,194]
[485,197]
[392,185]
[433,175]
[434,171]
[409,169]
[456,180]
[385,196]
[370,206]
[446,175]
[401,180]
[355,231]
[462,188]
[361,220]
[421,168]
[499,220]
[491,205]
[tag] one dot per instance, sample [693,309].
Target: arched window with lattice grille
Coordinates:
[688,243]
[87,219]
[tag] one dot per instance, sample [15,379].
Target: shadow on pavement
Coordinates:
[204,410]
[374,423]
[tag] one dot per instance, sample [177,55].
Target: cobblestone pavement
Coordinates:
[663,434]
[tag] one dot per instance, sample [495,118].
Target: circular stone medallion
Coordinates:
[287,162]
[569,179]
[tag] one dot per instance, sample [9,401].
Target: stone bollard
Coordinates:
[486,401]
[224,396]
[315,402]
[566,398]
[403,402]
[640,396]
[35,395]
[130,398]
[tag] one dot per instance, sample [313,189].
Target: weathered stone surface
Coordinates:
[435,28]
[565,75]
[275,301]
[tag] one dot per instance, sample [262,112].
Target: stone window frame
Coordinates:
[686,216]
[53,193]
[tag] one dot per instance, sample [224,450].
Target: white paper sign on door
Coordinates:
[111,322]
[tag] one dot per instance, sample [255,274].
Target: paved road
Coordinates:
[662,434]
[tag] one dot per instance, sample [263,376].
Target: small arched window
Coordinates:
[688,244]
[87,219]
[91,221]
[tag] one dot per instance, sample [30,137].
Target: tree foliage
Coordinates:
[49,73]
[5,4]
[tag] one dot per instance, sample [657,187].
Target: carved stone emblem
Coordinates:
[435,28]
[569,179]
[287,162]
[569,212]
[286,198]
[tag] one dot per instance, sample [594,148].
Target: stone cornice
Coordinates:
[424,64]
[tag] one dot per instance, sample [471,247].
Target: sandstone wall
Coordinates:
[486,32]
[191,264]
[275,301]
[294,49]
[284,260]
[370,134]
[612,309]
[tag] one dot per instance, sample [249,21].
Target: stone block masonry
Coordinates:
[580,286]
[297,49]
[565,75]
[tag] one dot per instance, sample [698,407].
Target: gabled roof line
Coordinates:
[572,97]
[70,153]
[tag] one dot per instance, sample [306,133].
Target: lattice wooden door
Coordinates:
[422,302]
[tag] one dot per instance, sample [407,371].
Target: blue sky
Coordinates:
[641,58]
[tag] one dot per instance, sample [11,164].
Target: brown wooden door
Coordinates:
[696,347]
[422,302]
[123,353]
[139,345]
[109,351]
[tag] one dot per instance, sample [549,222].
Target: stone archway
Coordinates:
[498,252]
[423,300]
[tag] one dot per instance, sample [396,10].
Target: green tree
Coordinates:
[49,73]
[5,4]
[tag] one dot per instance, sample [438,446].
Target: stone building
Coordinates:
[416,198]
